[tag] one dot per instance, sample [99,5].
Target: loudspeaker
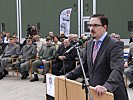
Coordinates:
[130,26]
[2,27]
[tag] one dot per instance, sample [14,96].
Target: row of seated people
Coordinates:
[61,61]
[29,51]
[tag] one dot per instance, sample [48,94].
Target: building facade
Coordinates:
[45,14]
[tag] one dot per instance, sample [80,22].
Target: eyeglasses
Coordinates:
[94,25]
[117,37]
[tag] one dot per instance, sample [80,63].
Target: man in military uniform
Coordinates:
[27,52]
[10,51]
[46,54]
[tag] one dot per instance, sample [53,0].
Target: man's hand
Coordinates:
[62,57]
[126,64]
[63,76]
[43,61]
[99,90]
[9,59]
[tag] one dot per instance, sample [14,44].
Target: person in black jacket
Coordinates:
[131,38]
[64,62]
[2,45]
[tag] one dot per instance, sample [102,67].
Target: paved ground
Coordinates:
[12,88]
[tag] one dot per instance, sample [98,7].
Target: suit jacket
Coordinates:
[107,69]
[11,50]
[28,53]
[47,52]
[70,56]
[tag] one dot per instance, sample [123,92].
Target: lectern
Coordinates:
[65,89]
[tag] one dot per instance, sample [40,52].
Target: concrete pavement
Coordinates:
[12,88]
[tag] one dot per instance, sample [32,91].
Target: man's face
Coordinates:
[12,41]
[51,33]
[37,38]
[7,34]
[131,34]
[75,38]
[29,42]
[48,42]
[96,28]
[66,43]
[16,39]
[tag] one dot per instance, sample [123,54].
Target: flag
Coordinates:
[65,21]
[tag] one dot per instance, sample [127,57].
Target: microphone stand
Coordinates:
[86,85]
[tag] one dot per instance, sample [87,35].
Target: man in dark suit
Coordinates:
[103,60]
[64,62]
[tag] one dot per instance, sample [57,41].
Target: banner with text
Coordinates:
[65,21]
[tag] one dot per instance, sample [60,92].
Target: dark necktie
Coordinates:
[95,50]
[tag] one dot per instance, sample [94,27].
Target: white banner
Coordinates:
[65,21]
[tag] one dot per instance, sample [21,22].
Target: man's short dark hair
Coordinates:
[48,38]
[11,38]
[28,40]
[102,17]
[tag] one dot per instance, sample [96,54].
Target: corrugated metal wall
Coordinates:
[46,12]
[119,13]
[8,14]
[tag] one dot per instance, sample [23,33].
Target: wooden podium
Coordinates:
[66,89]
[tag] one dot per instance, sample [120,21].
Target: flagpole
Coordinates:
[94,6]
[80,17]
[17,12]
[19,19]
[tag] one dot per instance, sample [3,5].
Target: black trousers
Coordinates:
[61,68]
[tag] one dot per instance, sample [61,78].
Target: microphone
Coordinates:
[79,43]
